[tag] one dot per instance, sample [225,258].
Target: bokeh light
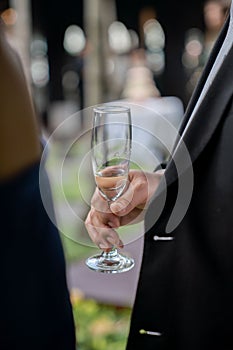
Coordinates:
[70,80]
[193,48]
[119,38]
[153,35]
[74,40]
[40,71]
[39,47]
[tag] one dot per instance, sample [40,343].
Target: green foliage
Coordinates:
[75,251]
[98,326]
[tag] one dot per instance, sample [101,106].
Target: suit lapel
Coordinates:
[208,115]
[193,141]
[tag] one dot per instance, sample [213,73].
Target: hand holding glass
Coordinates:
[111,147]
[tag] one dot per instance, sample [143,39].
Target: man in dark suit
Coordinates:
[184,296]
[35,308]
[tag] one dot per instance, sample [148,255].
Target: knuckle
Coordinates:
[141,185]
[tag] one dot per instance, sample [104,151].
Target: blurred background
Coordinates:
[78,53]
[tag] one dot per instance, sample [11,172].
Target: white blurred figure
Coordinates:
[155,118]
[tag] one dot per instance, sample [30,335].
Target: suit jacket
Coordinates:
[184,299]
[35,308]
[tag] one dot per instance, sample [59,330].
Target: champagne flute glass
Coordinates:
[111,147]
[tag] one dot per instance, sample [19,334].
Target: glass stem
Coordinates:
[111,254]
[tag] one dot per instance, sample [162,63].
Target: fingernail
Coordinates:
[111,224]
[121,244]
[102,246]
[111,240]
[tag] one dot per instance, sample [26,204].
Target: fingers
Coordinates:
[135,196]
[99,203]
[102,210]
[128,209]
[141,187]
[103,235]
[134,217]
[100,224]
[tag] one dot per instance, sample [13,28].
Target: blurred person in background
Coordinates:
[184,294]
[151,112]
[139,82]
[214,12]
[35,308]
[214,16]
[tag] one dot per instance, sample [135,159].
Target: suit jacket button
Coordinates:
[157,334]
[163,238]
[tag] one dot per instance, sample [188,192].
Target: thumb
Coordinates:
[127,202]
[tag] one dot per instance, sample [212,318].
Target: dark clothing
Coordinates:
[185,289]
[35,309]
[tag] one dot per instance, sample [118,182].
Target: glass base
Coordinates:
[111,262]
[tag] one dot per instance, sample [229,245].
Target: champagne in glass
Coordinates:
[111,147]
[111,180]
